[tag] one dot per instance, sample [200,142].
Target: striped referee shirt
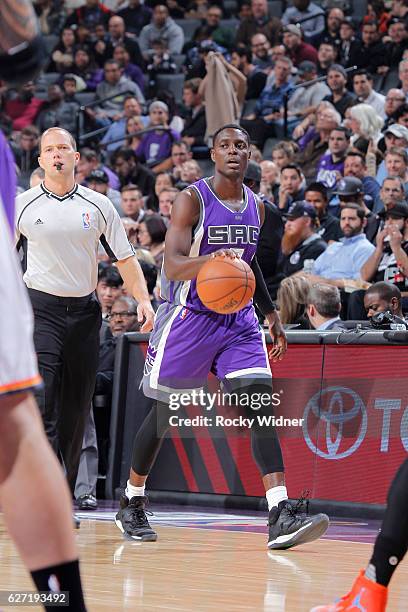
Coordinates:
[60,237]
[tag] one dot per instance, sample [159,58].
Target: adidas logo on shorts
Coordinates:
[39,222]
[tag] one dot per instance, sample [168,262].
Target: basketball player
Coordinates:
[31,479]
[188,340]
[370,590]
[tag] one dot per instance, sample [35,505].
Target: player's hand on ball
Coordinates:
[278,336]
[225,253]
[145,312]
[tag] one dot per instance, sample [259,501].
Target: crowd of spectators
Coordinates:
[322,92]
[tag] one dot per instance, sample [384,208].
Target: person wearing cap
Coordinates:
[308,14]
[350,189]
[363,88]
[98,180]
[341,262]
[395,135]
[298,50]
[340,97]
[155,147]
[389,261]
[268,250]
[260,22]
[301,244]
[305,100]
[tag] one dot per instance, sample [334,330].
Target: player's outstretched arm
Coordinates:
[185,215]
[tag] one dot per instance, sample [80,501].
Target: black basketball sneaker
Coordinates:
[132,520]
[288,527]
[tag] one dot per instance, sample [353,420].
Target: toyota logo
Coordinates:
[326,415]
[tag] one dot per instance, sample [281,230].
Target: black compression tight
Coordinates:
[266,449]
[392,542]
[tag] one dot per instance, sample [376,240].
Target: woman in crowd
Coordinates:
[163,181]
[63,54]
[151,235]
[292,300]
[134,124]
[365,125]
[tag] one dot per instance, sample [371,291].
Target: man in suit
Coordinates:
[323,308]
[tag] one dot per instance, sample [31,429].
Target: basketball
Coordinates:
[225,285]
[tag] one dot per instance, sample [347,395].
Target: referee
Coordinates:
[59,225]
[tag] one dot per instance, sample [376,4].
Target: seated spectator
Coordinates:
[98,180]
[166,201]
[308,11]
[284,153]
[132,204]
[323,308]
[26,153]
[392,191]
[104,49]
[241,58]
[291,188]
[37,177]
[175,121]
[51,16]
[260,22]
[160,62]
[305,100]
[292,299]
[130,70]
[151,234]
[269,107]
[350,190]
[57,111]
[308,159]
[63,54]
[396,164]
[85,68]
[190,172]
[397,43]
[89,15]
[326,56]
[90,161]
[301,245]
[340,97]
[163,180]
[363,89]
[372,52]
[22,106]
[329,226]
[394,99]
[130,170]
[350,44]
[134,125]
[70,87]
[403,76]
[365,125]
[269,178]
[389,261]
[162,27]
[180,152]
[331,33]
[298,50]
[108,288]
[155,146]
[401,115]
[195,124]
[136,15]
[114,83]
[395,136]
[341,262]
[330,166]
[261,50]
[117,129]
[211,28]
[381,297]
[355,165]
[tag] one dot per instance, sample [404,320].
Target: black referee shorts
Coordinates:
[66,339]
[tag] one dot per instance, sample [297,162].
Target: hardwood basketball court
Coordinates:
[210,560]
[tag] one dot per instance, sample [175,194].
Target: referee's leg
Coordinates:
[80,362]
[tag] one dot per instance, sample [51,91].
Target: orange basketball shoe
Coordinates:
[365,596]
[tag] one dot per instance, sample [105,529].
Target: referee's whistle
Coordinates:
[58,166]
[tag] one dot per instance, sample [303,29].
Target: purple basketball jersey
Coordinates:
[219,227]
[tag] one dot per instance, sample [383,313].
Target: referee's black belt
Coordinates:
[60,300]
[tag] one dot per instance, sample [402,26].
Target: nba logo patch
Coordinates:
[86,220]
[183,313]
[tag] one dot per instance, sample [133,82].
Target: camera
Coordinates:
[386,320]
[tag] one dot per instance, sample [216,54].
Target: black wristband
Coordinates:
[261,296]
